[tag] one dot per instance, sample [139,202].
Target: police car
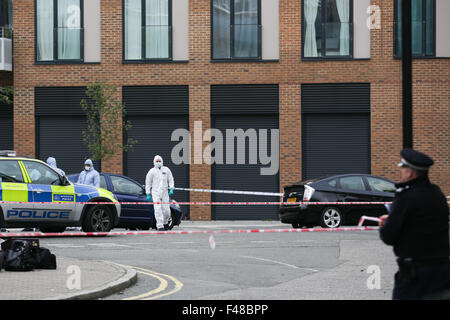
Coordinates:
[32,194]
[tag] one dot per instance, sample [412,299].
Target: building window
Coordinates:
[6,13]
[147,29]
[423,17]
[327,29]
[59,30]
[236,29]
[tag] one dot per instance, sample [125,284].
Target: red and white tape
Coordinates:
[130,233]
[228,203]
[364,218]
[203,203]
[250,193]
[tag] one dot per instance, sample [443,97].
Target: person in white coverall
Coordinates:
[52,163]
[89,175]
[159,185]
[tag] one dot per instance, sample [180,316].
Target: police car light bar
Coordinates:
[7,153]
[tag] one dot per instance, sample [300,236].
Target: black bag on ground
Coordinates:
[18,257]
[43,258]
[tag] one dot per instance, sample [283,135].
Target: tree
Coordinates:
[104,114]
[6,94]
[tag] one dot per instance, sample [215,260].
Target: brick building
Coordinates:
[310,68]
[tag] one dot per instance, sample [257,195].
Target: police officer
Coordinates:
[417,226]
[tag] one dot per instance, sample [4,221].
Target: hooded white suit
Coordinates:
[157,183]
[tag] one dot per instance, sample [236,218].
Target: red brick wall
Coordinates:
[431,116]
[431,84]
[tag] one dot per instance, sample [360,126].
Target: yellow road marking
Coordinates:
[162,286]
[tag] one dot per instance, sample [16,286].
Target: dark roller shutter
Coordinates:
[6,127]
[244,99]
[61,101]
[335,129]
[155,112]
[60,121]
[156,100]
[257,107]
[61,137]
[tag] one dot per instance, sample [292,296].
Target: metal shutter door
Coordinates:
[60,121]
[155,112]
[153,134]
[335,129]
[244,177]
[6,127]
[335,144]
[61,137]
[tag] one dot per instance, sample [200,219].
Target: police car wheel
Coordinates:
[331,218]
[98,219]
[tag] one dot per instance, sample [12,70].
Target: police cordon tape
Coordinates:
[231,203]
[209,232]
[251,193]
[364,218]
[200,203]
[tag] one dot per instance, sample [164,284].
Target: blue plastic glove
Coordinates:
[171,191]
[149,198]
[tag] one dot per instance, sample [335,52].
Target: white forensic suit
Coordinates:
[158,181]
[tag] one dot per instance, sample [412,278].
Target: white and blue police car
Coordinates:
[34,195]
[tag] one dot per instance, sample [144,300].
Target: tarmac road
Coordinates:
[242,266]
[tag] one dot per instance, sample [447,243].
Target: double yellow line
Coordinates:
[159,292]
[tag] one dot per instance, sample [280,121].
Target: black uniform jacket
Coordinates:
[418,222]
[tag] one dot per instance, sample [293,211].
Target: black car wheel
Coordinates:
[331,218]
[296,225]
[98,219]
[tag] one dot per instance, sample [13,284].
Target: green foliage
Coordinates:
[6,94]
[104,114]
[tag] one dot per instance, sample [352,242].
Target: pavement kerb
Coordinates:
[125,281]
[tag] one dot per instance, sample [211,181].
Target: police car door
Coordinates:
[13,188]
[52,202]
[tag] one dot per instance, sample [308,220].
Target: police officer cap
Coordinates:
[415,160]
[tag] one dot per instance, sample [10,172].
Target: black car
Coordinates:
[339,188]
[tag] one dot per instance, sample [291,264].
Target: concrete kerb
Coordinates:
[125,281]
